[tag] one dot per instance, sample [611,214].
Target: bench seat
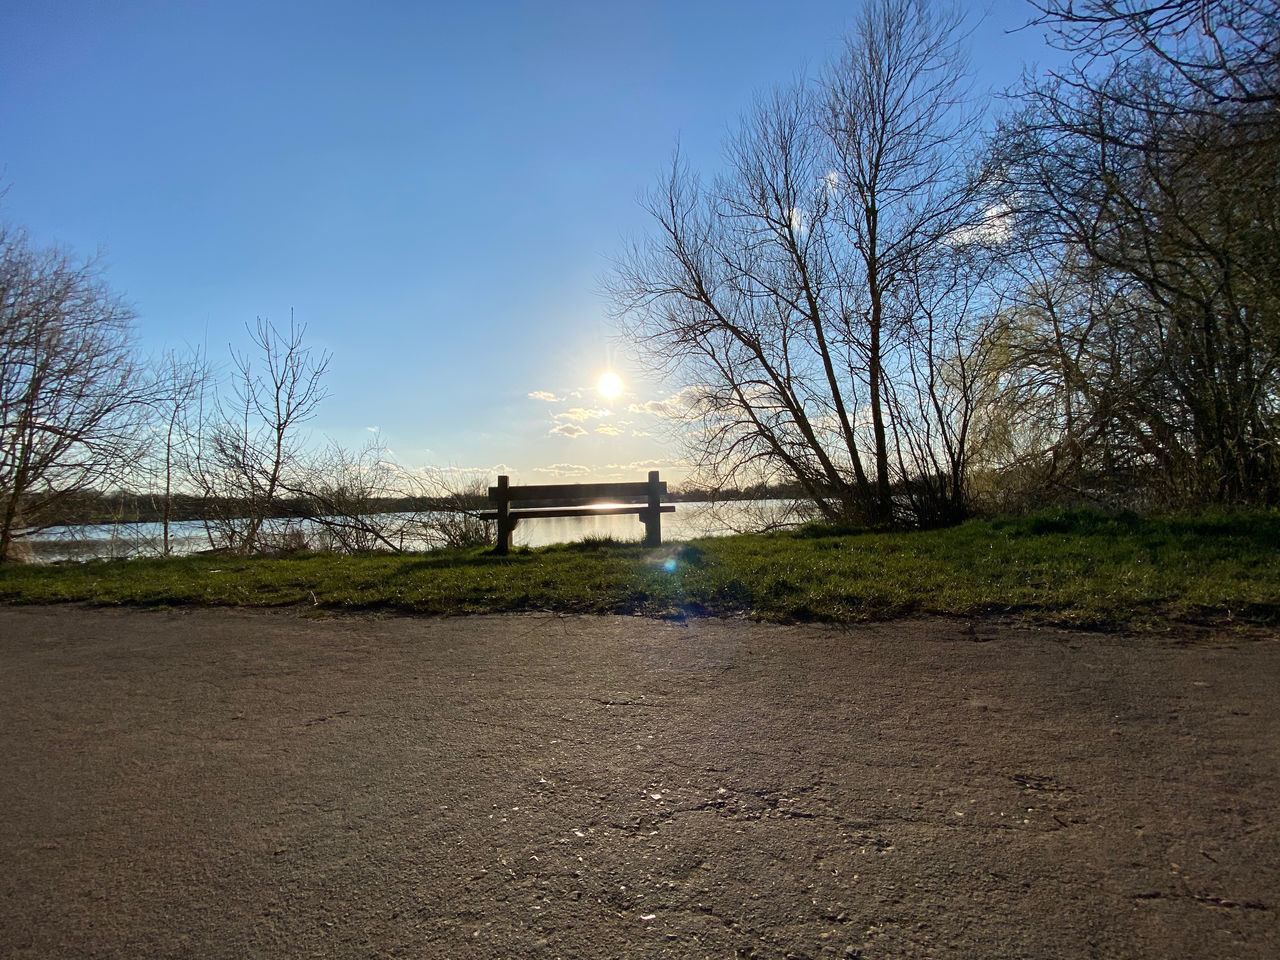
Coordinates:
[587,510]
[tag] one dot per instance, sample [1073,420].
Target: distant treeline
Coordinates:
[89,507]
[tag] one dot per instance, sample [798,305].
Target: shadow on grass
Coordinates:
[824,529]
[486,558]
[1258,530]
[455,560]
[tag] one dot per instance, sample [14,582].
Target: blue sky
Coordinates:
[435,189]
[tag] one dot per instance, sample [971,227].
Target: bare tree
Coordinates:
[948,376]
[180,384]
[1154,180]
[349,499]
[1082,413]
[453,500]
[364,500]
[1225,52]
[250,449]
[792,296]
[71,398]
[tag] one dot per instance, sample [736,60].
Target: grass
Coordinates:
[1077,568]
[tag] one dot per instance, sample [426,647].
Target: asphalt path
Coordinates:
[214,783]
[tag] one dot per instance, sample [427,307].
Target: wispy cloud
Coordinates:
[544,395]
[643,464]
[570,430]
[675,407]
[658,408]
[579,414]
[564,470]
[608,429]
[609,471]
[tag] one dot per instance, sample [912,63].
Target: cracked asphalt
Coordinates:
[213,783]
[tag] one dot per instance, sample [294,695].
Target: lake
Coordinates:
[690,521]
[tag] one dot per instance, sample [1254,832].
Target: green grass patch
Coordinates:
[1075,568]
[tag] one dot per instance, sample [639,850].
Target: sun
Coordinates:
[609,385]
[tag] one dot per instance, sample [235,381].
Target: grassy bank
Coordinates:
[1079,569]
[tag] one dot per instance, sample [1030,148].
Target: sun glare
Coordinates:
[609,385]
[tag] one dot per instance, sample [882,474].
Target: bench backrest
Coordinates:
[578,494]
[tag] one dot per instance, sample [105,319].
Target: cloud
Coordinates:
[580,414]
[635,465]
[996,227]
[678,406]
[632,471]
[544,395]
[570,430]
[641,433]
[657,408]
[608,429]
[450,473]
[564,470]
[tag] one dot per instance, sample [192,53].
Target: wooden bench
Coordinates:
[578,500]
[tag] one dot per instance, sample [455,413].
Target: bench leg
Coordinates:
[505,530]
[505,523]
[653,516]
[652,520]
